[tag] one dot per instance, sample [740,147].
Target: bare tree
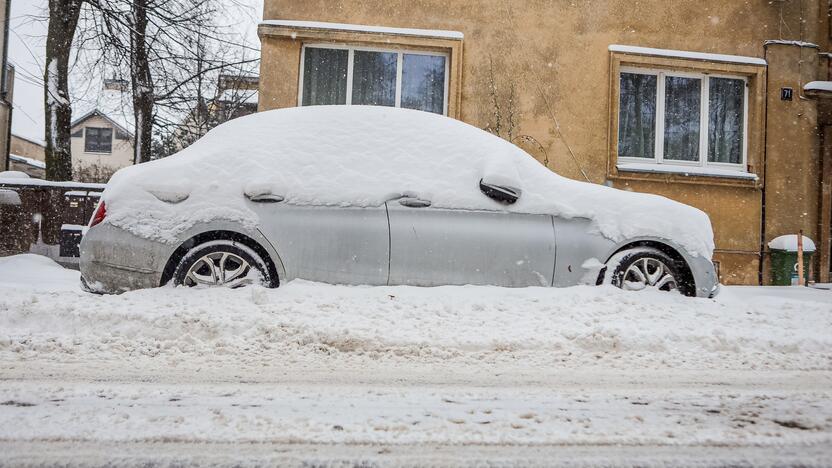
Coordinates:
[63,21]
[169,49]
[142,80]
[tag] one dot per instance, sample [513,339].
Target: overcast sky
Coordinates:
[26,52]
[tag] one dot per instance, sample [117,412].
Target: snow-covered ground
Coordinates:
[321,374]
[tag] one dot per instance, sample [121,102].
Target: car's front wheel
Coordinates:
[644,268]
[221,263]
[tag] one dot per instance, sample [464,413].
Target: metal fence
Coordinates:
[45,217]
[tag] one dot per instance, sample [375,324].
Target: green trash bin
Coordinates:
[784,260]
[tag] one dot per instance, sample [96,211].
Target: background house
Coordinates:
[100,146]
[701,101]
[29,156]
[236,96]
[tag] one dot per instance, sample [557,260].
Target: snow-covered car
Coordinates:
[381,196]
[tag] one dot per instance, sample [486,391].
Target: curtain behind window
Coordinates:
[423,83]
[637,116]
[725,120]
[98,140]
[374,78]
[682,110]
[325,76]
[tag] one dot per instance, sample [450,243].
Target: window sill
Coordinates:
[686,171]
[98,153]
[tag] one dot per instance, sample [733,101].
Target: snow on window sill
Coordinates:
[683,54]
[686,170]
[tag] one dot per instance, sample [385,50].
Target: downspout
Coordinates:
[763,196]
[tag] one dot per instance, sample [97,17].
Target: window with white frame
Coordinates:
[682,118]
[364,76]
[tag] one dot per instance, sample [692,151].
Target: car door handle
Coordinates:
[414,202]
[266,198]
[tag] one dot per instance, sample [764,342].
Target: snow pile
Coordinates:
[789,243]
[310,324]
[522,374]
[365,156]
[13,175]
[31,272]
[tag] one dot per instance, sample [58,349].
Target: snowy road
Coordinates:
[324,375]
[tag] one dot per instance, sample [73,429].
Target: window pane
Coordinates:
[423,83]
[105,140]
[91,140]
[374,78]
[324,76]
[682,107]
[637,116]
[725,120]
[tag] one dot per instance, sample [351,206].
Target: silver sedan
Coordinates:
[405,239]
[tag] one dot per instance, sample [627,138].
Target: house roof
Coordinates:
[99,113]
[29,140]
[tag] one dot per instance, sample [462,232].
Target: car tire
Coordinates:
[222,263]
[644,268]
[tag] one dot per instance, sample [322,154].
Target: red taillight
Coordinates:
[100,214]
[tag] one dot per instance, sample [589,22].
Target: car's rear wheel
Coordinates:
[221,263]
[644,268]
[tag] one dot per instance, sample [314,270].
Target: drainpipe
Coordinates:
[762,259]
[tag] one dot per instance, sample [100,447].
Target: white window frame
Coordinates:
[400,56]
[658,157]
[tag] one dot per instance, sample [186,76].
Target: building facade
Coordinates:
[100,147]
[720,105]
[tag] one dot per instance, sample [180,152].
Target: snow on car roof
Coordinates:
[363,156]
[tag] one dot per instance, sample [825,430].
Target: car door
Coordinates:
[343,245]
[435,246]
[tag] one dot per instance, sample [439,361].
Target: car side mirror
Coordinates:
[500,193]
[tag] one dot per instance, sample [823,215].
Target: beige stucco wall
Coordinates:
[555,56]
[27,148]
[121,156]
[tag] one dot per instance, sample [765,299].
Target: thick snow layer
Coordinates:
[30,161]
[508,372]
[435,33]
[12,179]
[818,86]
[365,156]
[789,243]
[687,54]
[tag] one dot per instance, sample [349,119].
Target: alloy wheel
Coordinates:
[219,269]
[648,273]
